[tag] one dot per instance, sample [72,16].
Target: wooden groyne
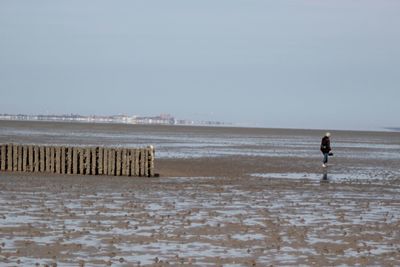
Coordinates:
[78,160]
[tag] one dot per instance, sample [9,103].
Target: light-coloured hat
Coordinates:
[328,134]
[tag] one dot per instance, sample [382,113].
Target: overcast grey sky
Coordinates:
[286,63]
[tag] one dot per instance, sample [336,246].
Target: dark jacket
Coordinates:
[325,145]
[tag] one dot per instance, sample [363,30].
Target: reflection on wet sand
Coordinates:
[325,175]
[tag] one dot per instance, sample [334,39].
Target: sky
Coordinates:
[315,64]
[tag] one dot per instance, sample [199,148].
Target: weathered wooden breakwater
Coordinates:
[78,160]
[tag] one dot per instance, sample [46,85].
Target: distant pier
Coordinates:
[77,160]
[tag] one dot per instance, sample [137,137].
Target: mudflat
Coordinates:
[225,197]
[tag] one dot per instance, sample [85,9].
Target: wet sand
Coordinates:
[231,210]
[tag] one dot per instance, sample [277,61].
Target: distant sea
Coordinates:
[394,129]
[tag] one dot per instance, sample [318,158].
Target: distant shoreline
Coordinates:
[393,129]
[222,126]
[162,119]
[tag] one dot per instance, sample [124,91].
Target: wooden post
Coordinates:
[142,162]
[58,160]
[88,165]
[69,159]
[152,155]
[75,166]
[141,165]
[100,161]
[10,157]
[36,159]
[81,161]
[123,156]
[105,161]
[89,160]
[24,158]
[63,160]
[137,163]
[52,159]
[85,161]
[29,167]
[130,162]
[19,158]
[132,158]
[118,162]
[15,158]
[115,164]
[42,156]
[32,159]
[47,159]
[146,162]
[127,162]
[3,157]
[111,167]
[114,161]
[94,160]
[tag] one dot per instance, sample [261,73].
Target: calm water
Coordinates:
[359,155]
[177,142]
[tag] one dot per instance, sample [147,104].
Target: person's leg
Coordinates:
[325,158]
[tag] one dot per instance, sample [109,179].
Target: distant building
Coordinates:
[162,119]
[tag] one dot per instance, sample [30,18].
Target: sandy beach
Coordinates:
[225,197]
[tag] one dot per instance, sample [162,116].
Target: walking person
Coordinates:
[326,148]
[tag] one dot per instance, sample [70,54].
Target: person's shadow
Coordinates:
[325,178]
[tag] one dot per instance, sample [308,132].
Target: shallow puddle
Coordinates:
[354,175]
